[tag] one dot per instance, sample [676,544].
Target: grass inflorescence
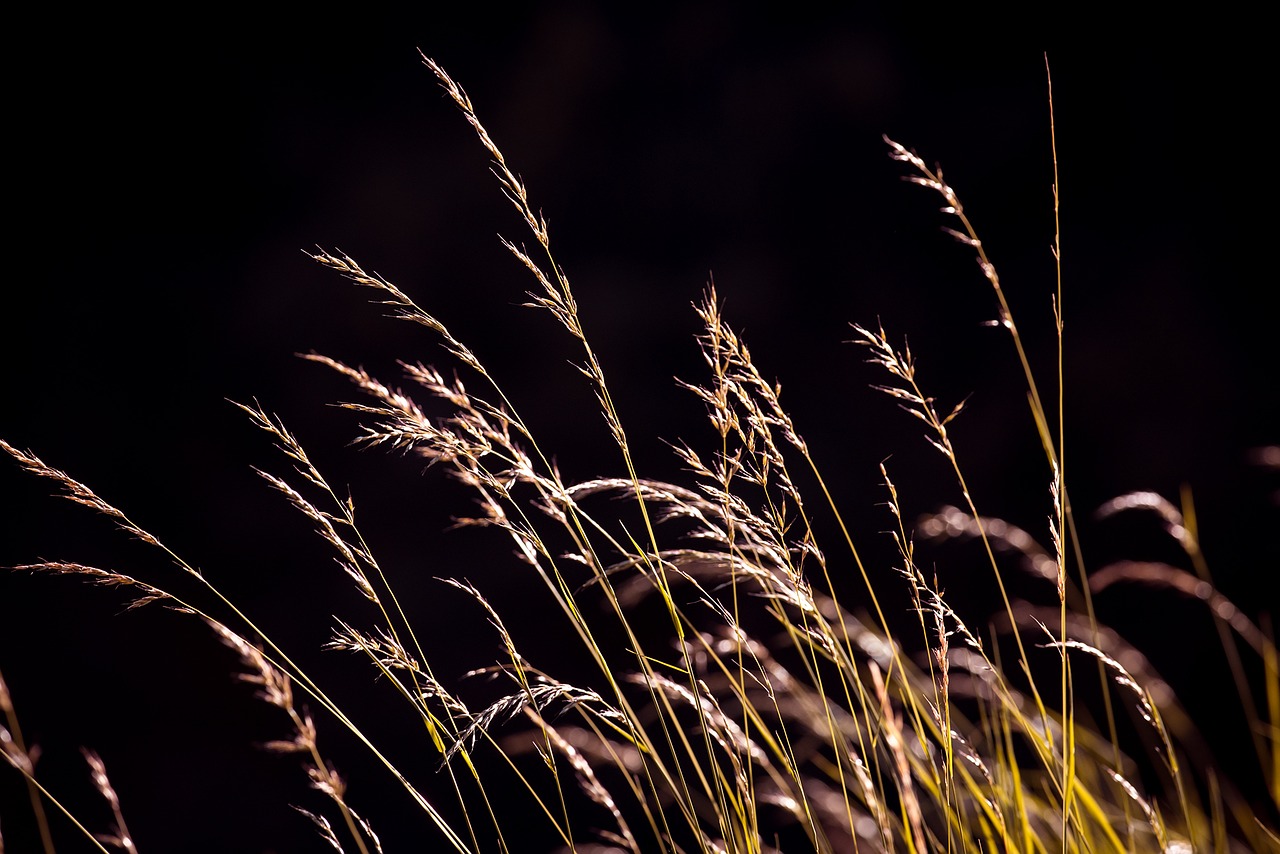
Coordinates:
[770,698]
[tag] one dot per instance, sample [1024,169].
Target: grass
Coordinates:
[746,680]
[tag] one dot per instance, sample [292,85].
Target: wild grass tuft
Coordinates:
[748,687]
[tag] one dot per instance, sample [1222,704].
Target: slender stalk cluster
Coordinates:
[748,689]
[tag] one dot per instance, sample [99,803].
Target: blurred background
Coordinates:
[166,177]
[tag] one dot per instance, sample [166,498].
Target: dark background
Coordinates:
[163,177]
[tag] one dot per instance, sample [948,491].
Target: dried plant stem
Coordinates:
[1059,482]
[58,805]
[14,750]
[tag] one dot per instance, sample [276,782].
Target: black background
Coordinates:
[164,175]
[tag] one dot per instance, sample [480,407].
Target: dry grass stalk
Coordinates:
[22,758]
[119,836]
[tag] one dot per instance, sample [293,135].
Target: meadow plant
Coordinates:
[747,688]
